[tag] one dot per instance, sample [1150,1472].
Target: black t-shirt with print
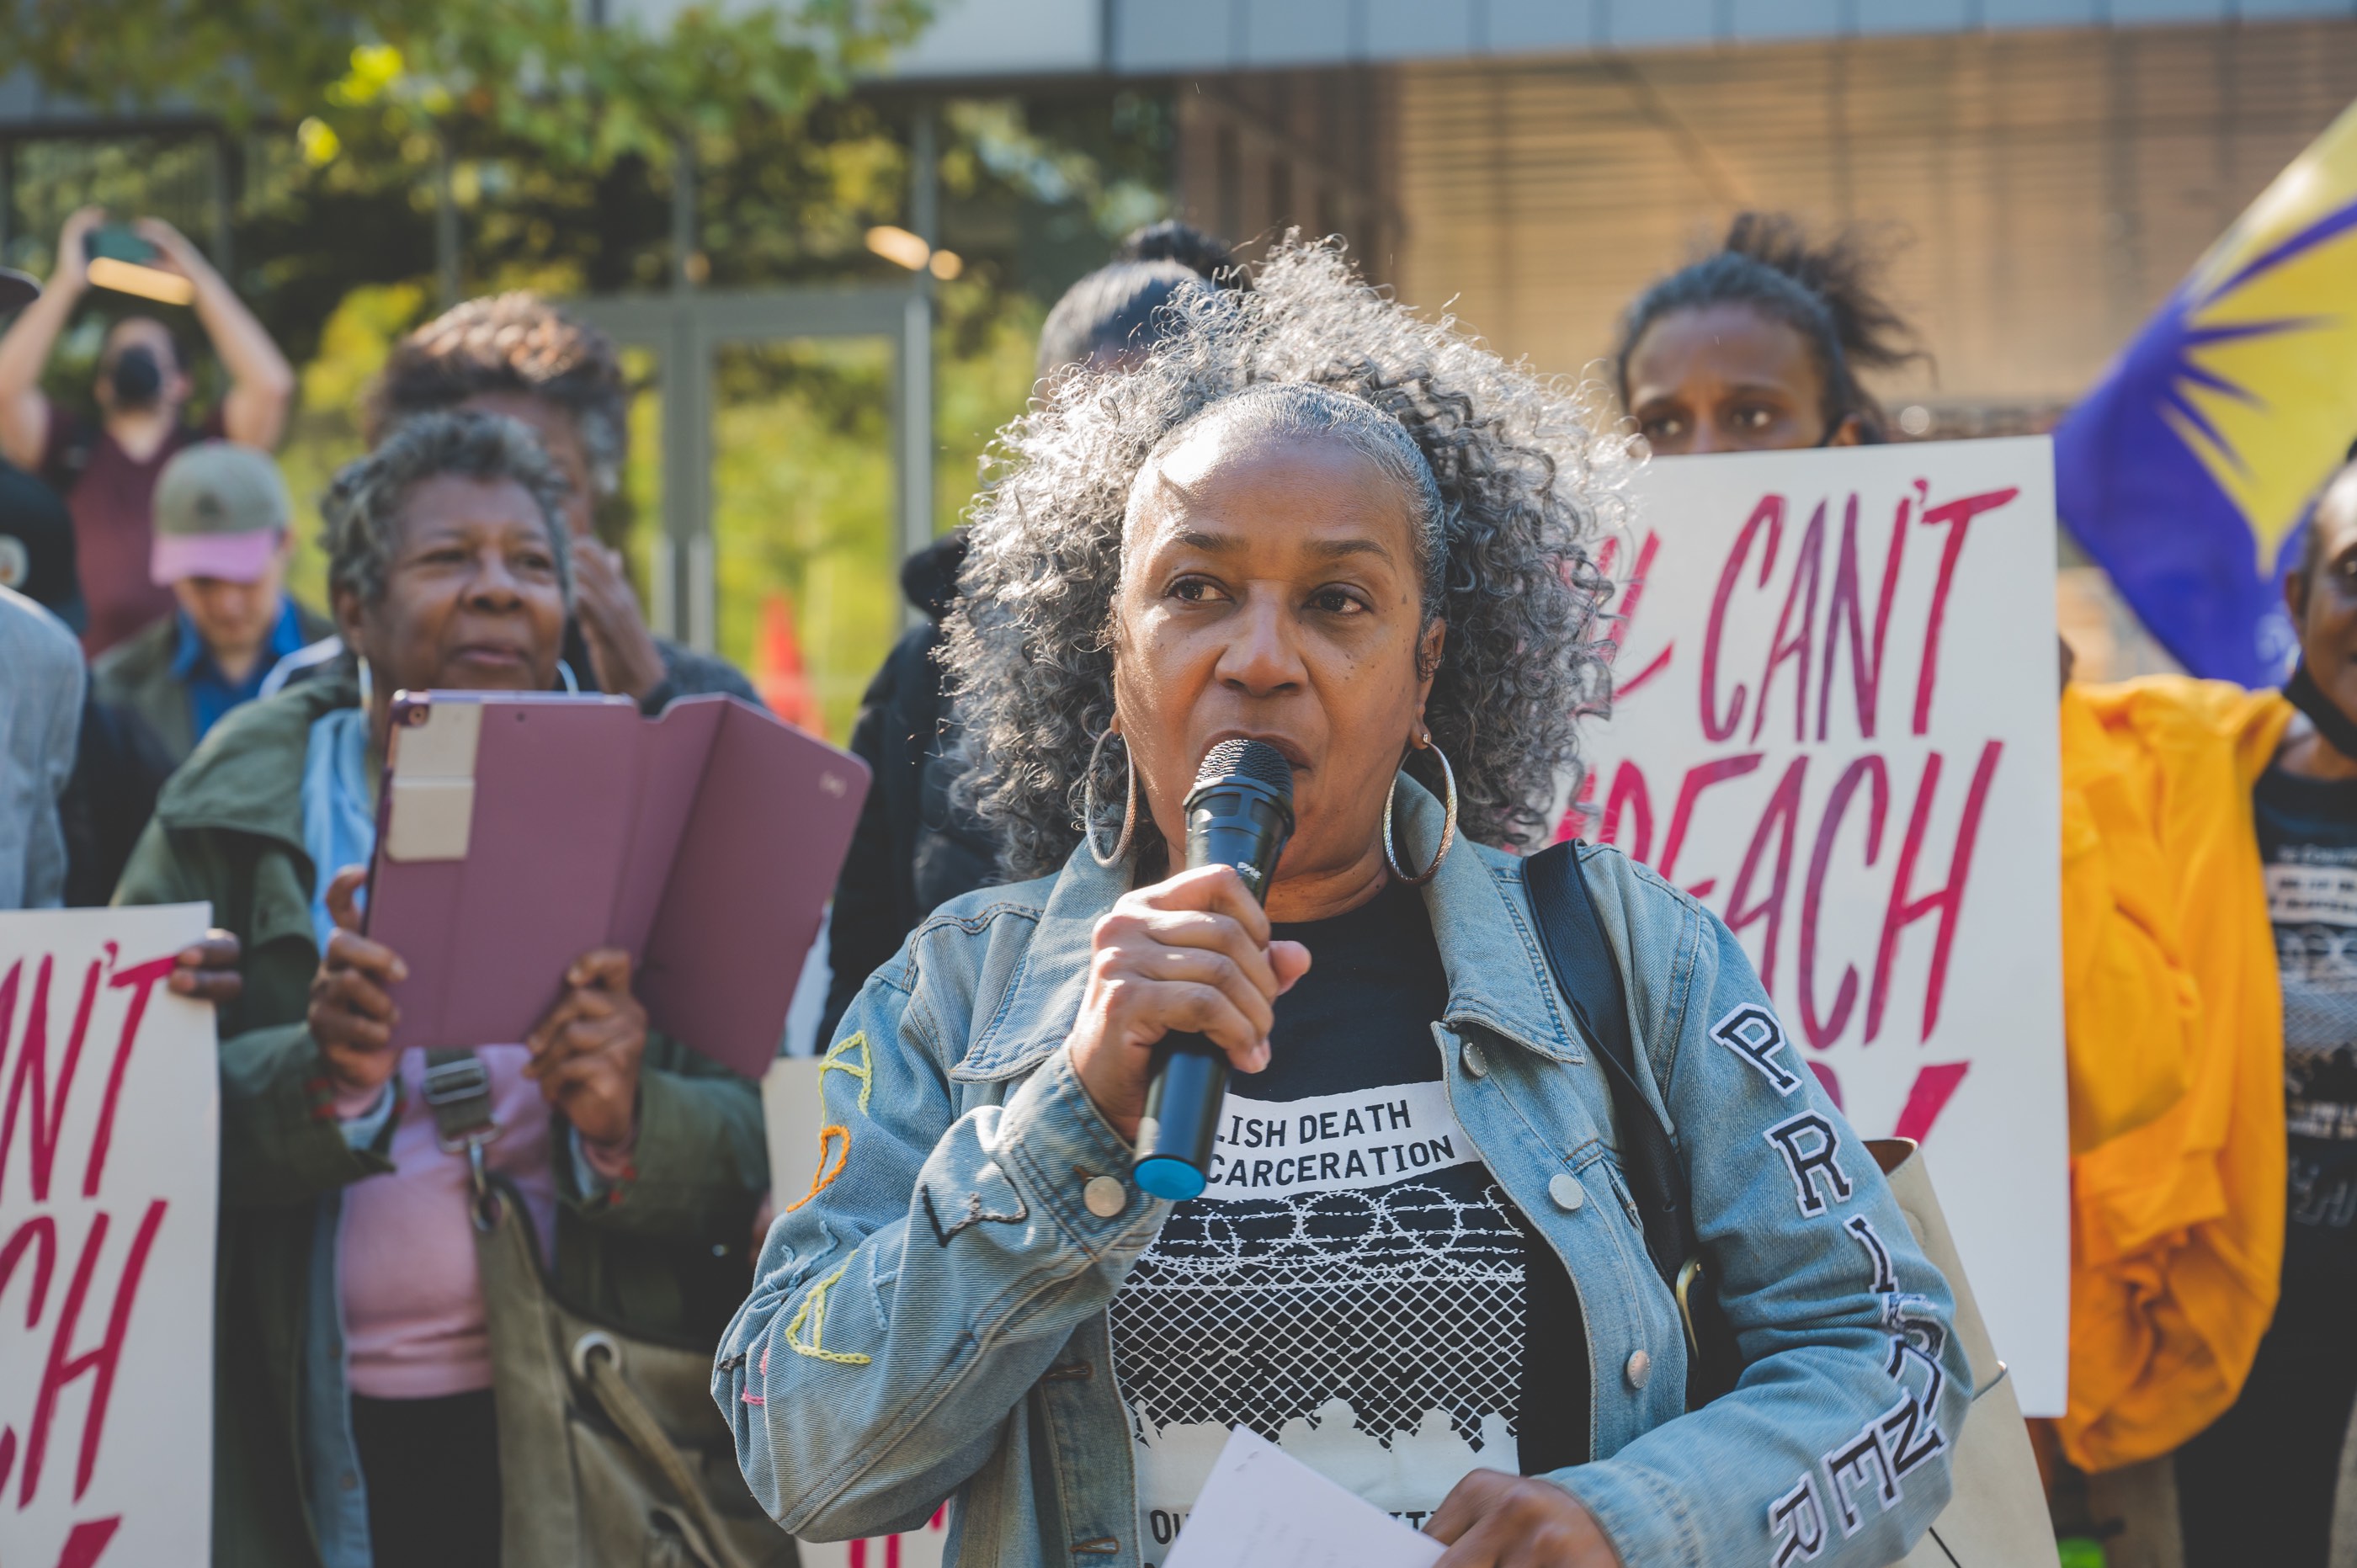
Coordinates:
[1353,1285]
[2308,846]
[2257,1485]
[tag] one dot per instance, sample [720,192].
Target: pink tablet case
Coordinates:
[517,832]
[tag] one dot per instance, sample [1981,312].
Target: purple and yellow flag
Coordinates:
[2187,472]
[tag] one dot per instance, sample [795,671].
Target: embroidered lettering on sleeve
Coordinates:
[1753,1033]
[838,1059]
[1809,1147]
[812,1312]
[993,1199]
[834,1150]
[1797,1521]
[1885,1278]
[1934,1378]
[1861,1463]
[1910,1436]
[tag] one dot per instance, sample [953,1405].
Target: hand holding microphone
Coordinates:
[1190,956]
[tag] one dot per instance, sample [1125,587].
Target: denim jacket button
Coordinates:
[1566,1191]
[1474,1066]
[1104,1196]
[1640,1367]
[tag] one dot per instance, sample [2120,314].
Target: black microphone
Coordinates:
[1240,813]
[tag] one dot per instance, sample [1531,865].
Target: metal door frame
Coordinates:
[686,329]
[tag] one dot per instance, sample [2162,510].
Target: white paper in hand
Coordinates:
[1262,1508]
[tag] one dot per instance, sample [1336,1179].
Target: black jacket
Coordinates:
[912,851]
[686,672]
[120,765]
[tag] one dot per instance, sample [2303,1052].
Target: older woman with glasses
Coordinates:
[1310,520]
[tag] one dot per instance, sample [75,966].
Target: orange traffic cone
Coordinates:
[778,669]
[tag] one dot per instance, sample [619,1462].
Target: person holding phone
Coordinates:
[354,1419]
[107,468]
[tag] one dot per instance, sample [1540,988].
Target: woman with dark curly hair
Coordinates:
[1758,345]
[1310,519]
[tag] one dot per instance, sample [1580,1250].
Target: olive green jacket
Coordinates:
[136,675]
[661,1253]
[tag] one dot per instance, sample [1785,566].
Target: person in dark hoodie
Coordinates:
[913,851]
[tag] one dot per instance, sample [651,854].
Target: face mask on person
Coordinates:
[137,379]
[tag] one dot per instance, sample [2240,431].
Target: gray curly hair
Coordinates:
[1503,468]
[361,513]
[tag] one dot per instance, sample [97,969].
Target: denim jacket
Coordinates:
[930,1322]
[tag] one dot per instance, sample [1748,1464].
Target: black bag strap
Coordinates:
[1572,937]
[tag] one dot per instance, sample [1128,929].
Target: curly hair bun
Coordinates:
[1207,256]
[1828,290]
[1846,271]
[1117,310]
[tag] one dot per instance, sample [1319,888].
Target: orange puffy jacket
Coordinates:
[2174,1016]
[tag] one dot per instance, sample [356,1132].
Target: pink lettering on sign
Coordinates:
[1627,686]
[1783,811]
[1791,643]
[1700,778]
[41,1108]
[1842,747]
[78,1235]
[1823,1029]
[1929,1097]
[1946,901]
[860,1557]
[1957,518]
[89,1539]
[1769,514]
[65,1365]
[1790,623]
[1864,670]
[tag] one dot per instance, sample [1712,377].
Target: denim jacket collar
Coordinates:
[1497,976]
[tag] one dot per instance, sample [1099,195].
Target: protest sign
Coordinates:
[109,1128]
[1834,725]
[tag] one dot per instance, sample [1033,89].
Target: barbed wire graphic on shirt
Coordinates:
[2319,966]
[1399,1302]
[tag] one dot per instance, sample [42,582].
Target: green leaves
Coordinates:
[534,72]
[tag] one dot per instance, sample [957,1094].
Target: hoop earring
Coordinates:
[368,683]
[1089,805]
[1448,828]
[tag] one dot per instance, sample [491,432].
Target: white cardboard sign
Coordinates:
[109,1128]
[1836,726]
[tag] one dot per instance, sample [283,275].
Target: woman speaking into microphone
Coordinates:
[1311,520]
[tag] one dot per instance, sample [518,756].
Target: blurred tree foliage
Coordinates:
[561,153]
[581,90]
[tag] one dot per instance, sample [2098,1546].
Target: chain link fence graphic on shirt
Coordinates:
[1398,1302]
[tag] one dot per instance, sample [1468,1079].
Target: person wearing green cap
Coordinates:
[221,518]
